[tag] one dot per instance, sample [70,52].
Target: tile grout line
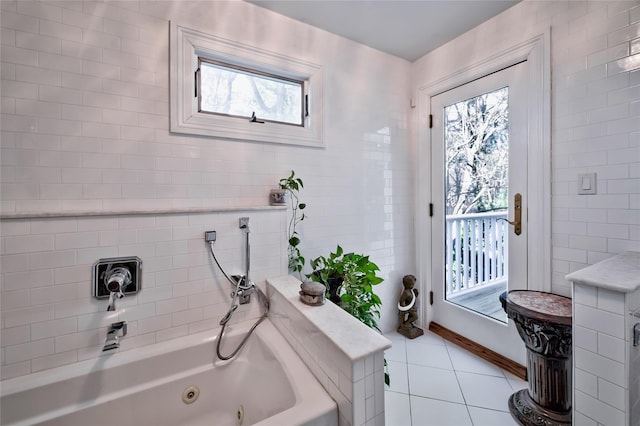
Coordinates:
[455,372]
[448,349]
[406,370]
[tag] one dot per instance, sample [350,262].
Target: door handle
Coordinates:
[517,209]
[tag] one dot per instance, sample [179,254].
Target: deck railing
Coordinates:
[476,251]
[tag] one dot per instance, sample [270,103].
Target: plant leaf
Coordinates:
[346,297]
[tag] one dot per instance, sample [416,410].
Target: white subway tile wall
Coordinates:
[85,127]
[595,121]
[604,359]
[84,98]
[596,129]
[632,307]
[49,317]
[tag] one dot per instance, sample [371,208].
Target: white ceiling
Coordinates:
[408,29]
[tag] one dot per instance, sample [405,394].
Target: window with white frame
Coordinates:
[231,90]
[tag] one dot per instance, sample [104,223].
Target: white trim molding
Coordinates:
[536,51]
[186,45]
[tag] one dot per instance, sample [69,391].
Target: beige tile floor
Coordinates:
[436,383]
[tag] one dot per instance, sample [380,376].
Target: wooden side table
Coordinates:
[543,321]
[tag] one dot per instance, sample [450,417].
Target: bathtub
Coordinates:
[267,384]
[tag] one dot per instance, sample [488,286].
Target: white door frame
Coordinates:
[536,51]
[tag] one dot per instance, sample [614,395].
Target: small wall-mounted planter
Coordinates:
[278,197]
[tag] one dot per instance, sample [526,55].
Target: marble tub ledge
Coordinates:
[354,338]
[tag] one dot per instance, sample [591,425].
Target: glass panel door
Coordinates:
[476,138]
[478,178]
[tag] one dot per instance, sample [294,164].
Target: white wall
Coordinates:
[85,128]
[595,121]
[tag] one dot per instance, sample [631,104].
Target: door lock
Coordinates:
[517,209]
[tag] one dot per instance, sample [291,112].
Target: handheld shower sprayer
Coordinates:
[243,287]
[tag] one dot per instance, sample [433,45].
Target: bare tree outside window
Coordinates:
[476,139]
[237,92]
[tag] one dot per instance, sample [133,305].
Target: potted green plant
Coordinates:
[329,271]
[349,278]
[291,185]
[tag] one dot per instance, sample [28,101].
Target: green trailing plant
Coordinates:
[358,297]
[358,276]
[292,186]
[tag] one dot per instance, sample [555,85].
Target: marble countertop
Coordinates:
[619,273]
[354,338]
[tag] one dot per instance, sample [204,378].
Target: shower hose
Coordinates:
[240,285]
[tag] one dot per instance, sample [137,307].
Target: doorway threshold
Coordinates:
[483,352]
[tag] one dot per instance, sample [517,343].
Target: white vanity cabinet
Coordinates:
[606,365]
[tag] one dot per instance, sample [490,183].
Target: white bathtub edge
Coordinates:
[312,406]
[45,377]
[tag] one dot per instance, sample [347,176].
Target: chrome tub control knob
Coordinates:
[117,279]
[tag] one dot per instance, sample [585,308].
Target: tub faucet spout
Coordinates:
[116,330]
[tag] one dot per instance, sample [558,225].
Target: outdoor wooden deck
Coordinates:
[484,300]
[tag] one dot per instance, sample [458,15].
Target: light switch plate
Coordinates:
[587,184]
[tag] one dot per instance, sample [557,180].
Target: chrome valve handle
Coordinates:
[117,279]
